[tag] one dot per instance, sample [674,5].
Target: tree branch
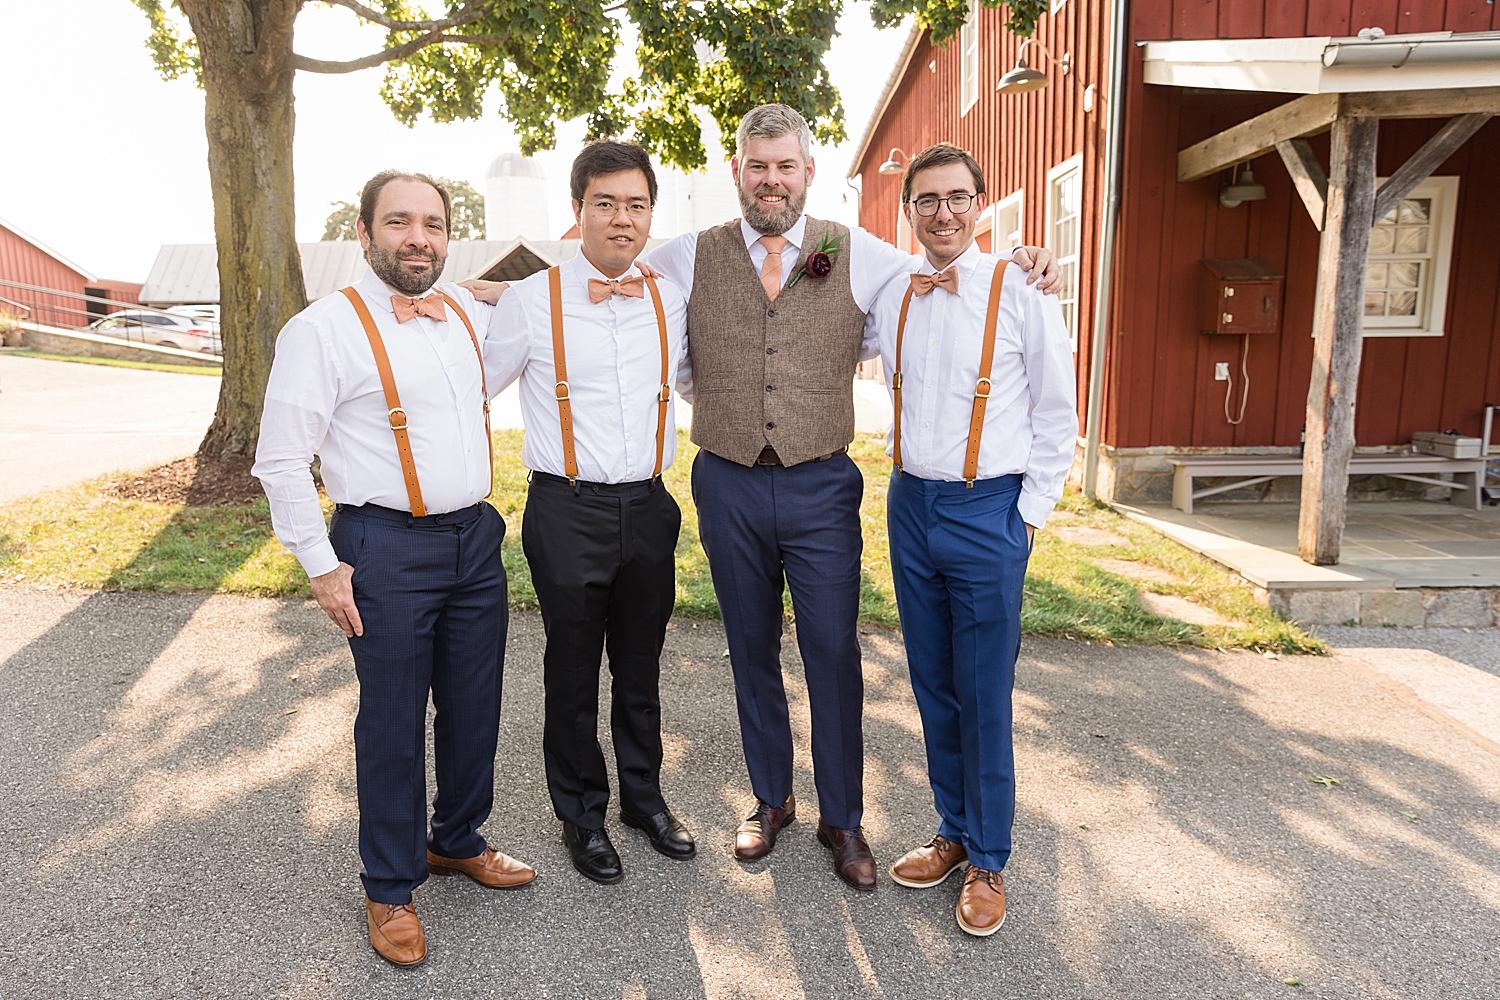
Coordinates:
[469,14]
[401,51]
[275,41]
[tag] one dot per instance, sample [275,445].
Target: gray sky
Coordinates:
[104,161]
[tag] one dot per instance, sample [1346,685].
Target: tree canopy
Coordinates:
[468,214]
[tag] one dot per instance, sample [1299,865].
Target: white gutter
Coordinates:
[1401,50]
[1114,143]
[891,83]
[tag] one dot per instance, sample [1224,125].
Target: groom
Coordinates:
[776,318]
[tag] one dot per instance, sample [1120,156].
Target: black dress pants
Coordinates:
[603,564]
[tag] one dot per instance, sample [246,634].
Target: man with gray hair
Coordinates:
[776,318]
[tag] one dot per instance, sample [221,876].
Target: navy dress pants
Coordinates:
[767,527]
[431,593]
[959,560]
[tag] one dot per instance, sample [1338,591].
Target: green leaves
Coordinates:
[172,55]
[945,17]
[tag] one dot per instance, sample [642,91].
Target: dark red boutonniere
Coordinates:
[819,263]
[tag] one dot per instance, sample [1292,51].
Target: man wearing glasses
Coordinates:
[597,347]
[981,375]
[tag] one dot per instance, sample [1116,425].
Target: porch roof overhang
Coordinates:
[1327,64]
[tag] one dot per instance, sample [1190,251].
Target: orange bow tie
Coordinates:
[921,284]
[406,308]
[633,287]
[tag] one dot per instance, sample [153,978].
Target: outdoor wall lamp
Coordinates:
[1243,189]
[893,164]
[1023,78]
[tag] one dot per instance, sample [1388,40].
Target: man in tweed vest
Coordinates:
[776,318]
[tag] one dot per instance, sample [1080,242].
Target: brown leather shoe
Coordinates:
[490,869]
[851,855]
[925,867]
[395,932]
[981,904]
[757,835]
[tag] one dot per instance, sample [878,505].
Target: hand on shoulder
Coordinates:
[1041,264]
[488,292]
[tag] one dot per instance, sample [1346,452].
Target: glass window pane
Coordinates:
[1067,308]
[1070,190]
[1415,210]
[1411,239]
[1374,303]
[1382,239]
[1375,275]
[1402,304]
[1069,271]
[1404,274]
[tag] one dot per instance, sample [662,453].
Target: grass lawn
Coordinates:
[77,538]
[151,366]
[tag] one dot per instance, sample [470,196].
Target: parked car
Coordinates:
[186,333]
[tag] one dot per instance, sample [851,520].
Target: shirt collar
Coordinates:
[966,264]
[585,269]
[793,236]
[378,292]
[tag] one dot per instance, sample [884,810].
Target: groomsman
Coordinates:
[982,378]
[597,347]
[386,383]
[776,319]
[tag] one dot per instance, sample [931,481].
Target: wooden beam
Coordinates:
[1338,331]
[1305,116]
[1424,103]
[1307,175]
[1425,160]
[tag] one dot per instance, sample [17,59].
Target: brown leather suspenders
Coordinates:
[981,387]
[560,367]
[396,415]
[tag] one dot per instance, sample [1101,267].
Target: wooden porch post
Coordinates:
[1338,320]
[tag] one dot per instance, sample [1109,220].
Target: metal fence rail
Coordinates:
[35,300]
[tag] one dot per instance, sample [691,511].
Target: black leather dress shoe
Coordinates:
[593,855]
[667,835]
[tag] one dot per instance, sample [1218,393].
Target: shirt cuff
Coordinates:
[1034,509]
[319,558]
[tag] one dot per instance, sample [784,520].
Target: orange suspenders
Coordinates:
[397,415]
[560,366]
[981,387]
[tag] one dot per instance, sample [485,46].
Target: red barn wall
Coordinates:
[21,261]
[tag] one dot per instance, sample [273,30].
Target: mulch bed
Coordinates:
[197,481]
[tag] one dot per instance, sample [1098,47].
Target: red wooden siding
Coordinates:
[24,262]
[1159,369]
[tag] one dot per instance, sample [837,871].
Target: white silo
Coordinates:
[515,199]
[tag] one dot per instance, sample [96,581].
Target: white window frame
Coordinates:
[1444,194]
[1057,5]
[968,41]
[989,222]
[1073,164]
[906,240]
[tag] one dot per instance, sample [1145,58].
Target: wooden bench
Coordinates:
[1468,473]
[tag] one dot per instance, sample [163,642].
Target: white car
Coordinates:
[163,329]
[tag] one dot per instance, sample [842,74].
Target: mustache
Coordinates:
[424,254]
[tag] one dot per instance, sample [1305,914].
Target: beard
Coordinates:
[387,267]
[772,223]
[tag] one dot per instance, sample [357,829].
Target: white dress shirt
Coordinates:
[613,352]
[324,396]
[1031,420]
[872,264]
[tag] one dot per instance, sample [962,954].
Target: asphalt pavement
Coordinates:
[63,421]
[180,821]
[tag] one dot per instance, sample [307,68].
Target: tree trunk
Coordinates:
[247,79]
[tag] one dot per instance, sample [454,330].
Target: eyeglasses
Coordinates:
[958,204]
[608,209]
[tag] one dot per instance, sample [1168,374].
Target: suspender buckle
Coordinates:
[665,395]
[561,391]
[391,416]
[981,391]
[895,380]
[968,484]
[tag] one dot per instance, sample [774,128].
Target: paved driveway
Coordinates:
[179,821]
[61,421]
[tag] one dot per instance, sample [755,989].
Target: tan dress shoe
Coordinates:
[925,867]
[757,835]
[981,904]
[490,869]
[395,932]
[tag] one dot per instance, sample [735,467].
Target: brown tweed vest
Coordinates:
[778,373]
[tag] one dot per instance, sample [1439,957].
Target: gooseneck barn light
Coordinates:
[1243,189]
[893,164]
[1023,78]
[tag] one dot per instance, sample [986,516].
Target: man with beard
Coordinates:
[385,383]
[776,317]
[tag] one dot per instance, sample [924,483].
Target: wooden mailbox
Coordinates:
[1239,295]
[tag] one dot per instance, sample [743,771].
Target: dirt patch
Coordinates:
[1183,610]
[1091,536]
[1137,571]
[197,481]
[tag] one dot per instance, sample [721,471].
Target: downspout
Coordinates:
[1115,141]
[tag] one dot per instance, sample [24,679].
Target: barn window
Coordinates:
[1064,208]
[969,44]
[1406,281]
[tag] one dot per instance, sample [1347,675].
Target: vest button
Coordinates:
[770,350]
[770,425]
[770,312]
[770,388]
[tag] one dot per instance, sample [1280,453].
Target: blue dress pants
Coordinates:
[959,560]
[432,597]
[767,527]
